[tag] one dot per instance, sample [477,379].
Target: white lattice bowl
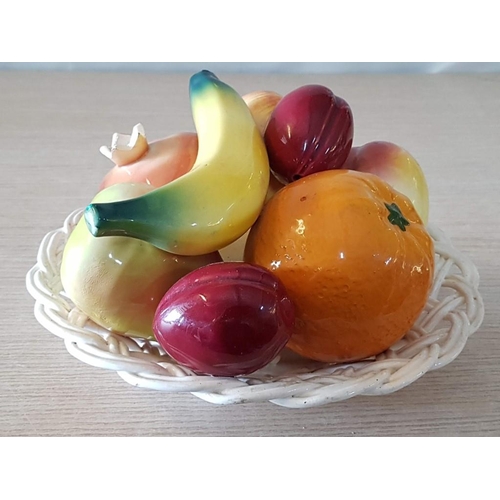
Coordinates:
[453,312]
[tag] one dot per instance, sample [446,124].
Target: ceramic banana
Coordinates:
[218,200]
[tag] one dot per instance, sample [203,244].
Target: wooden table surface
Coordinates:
[51,128]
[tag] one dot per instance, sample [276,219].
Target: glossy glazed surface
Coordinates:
[218,200]
[225,319]
[118,281]
[354,257]
[397,167]
[261,104]
[165,160]
[310,130]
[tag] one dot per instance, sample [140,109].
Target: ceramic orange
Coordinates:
[355,259]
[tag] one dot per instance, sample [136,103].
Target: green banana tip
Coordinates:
[92,219]
[200,80]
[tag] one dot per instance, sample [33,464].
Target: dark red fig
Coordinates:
[310,130]
[226,319]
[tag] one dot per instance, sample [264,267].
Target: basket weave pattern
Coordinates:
[453,312]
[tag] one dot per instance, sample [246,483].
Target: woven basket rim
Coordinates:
[436,339]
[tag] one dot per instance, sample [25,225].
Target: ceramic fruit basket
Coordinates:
[310,284]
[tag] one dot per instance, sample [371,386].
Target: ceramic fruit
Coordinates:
[160,162]
[225,319]
[274,186]
[397,167]
[261,104]
[354,257]
[310,130]
[218,200]
[118,281]
[156,163]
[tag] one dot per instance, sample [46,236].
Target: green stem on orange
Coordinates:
[396,217]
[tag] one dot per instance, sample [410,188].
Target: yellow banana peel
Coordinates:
[218,200]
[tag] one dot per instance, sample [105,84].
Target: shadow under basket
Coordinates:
[453,312]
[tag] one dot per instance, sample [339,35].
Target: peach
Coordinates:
[397,167]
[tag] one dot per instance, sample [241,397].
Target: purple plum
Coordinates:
[226,319]
[310,130]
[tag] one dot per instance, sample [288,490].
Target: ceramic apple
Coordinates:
[310,130]
[397,167]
